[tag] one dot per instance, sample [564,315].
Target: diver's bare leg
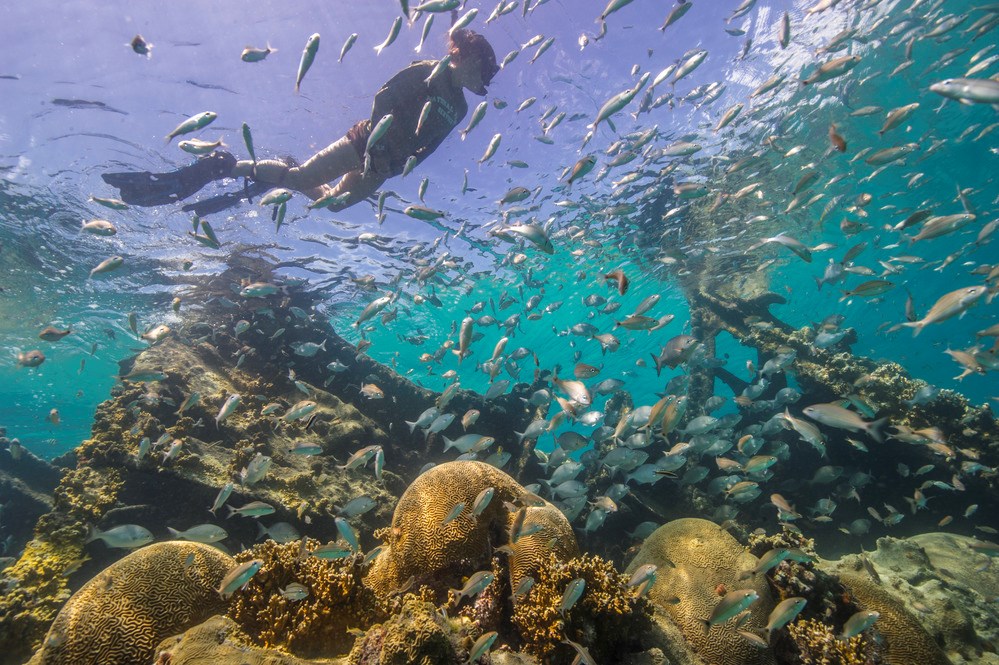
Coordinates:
[328,164]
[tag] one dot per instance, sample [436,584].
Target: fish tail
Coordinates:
[261,531]
[917,327]
[875,429]
[232,511]
[174,533]
[92,534]
[412,426]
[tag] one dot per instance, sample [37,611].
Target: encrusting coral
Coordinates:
[122,614]
[607,618]
[37,585]
[416,635]
[316,625]
[219,641]
[817,644]
[698,563]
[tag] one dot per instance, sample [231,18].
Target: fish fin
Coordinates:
[875,429]
[412,426]
[917,327]
[174,533]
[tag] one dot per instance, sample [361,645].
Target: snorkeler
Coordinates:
[361,170]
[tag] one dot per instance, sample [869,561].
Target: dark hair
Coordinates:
[465,43]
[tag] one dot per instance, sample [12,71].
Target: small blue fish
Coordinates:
[348,533]
[573,593]
[457,510]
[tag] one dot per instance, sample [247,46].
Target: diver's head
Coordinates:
[473,61]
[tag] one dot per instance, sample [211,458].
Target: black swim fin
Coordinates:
[227,200]
[152,189]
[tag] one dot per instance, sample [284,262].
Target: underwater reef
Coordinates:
[378,549]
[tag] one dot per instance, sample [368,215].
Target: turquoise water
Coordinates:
[101,107]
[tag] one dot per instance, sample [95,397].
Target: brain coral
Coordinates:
[122,614]
[419,547]
[905,640]
[554,537]
[706,558]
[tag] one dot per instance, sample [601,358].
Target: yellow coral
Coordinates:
[316,625]
[606,617]
[818,645]
[37,585]
[119,616]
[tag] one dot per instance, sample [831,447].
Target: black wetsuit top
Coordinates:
[404,96]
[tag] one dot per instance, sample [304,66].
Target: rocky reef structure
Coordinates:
[936,593]
[698,564]
[160,450]
[416,634]
[220,641]
[122,614]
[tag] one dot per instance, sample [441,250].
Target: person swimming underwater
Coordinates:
[360,169]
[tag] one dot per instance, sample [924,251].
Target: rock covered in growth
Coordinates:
[122,614]
[218,641]
[608,617]
[416,635]
[316,625]
[904,640]
[419,546]
[938,580]
[698,562]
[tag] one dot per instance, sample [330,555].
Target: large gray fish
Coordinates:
[969,91]
[836,416]
[952,304]
[676,352]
